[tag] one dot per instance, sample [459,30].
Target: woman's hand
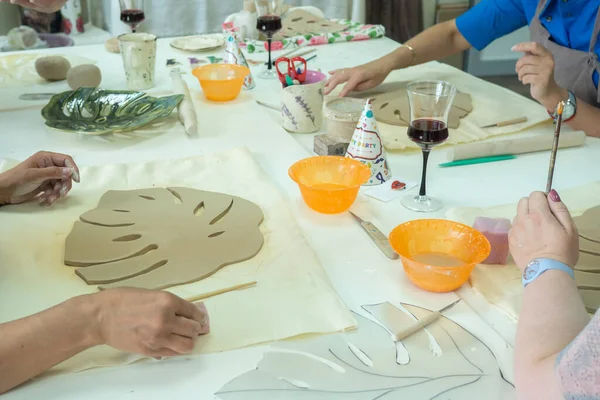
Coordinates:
[543,228]
[152,323]
[47,175]
[359,78]
[47,6]
[536,68]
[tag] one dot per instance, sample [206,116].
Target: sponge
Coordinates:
[496,231]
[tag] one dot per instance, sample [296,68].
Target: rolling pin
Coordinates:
[517,145]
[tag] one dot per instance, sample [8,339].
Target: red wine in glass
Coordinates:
[269,24]
[132,17]
[428,132]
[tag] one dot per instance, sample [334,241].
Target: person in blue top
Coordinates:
[560,63]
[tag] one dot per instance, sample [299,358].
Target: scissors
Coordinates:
[292,73]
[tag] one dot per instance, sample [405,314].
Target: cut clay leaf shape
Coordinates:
[361,365]
[157,238]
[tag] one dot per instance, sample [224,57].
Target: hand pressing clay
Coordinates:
[496,231]
[22,38]
[84,76]
[52,68]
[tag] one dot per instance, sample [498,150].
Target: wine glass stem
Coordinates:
[422,190]
[270,64]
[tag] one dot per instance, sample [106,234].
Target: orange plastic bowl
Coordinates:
[329,184]
[424,237]
[221,82]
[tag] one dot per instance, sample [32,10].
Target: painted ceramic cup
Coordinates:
[138,51]
[302,105]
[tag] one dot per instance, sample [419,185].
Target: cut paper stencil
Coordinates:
[157,238]
[363,364]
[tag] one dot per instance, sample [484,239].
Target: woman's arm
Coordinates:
[552,314]
[586,119]
[31,345]
[153,323]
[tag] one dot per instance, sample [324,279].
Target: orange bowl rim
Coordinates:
[445,221]
[346,159]
[199,69]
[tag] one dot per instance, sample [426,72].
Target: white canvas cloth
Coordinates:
[293,295]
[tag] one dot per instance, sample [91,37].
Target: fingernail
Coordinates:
[513,48]
[75,175]
[52,199]
[63,191]
[554,196]
[67,172]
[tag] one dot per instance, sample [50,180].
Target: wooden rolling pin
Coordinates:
[516,145]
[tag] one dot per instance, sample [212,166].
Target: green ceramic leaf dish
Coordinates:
[96,111]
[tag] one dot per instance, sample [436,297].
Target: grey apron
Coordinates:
[573,69]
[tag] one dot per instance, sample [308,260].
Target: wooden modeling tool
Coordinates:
[220,291]
[377,237]
[506,123]
[558,123]
[422,323]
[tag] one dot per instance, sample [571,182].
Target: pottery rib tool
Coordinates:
[558,123]
[37,96]
[478,160]
[514,145]
[422,323]
[506,123]
[221,291]
[377,237]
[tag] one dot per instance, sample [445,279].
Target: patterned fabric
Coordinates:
[578,365]
[355,32]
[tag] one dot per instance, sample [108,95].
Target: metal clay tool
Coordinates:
[558,123]
[422,323]
[378,237]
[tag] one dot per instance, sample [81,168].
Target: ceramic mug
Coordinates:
[302,105]
[138,51]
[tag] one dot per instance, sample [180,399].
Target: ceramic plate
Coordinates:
[95,111]
[199,42]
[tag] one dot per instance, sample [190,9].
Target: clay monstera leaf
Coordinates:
[363,364]
[156,238]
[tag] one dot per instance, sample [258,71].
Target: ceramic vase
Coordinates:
[138,51]
[302,105]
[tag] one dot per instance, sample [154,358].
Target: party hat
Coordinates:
[366,147]
[233,55]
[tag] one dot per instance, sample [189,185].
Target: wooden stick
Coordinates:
[272,107]
[220,291]
[506,123]
[559,111]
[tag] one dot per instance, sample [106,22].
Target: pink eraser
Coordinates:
[496,231]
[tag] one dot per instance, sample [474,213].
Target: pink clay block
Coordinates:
[496,231]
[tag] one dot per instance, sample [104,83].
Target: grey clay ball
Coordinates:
[52,68]
[84,76]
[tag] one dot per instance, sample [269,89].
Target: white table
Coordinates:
[359,271]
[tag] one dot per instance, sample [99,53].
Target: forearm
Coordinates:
[435,43]
[552,315]
[587,118]
[32,345]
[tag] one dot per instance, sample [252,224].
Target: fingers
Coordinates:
[531,47]
[186,327]
[49,173]
[188,310]
[338,77]
[538,203]
[526,60]
[351,84]
[523,207]
[560,211]
[527,70]
[179,344]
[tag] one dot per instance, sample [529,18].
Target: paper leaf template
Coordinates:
[363,364]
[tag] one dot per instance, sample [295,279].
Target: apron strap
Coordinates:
[595,33]
[541,5]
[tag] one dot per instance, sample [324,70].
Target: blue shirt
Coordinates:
[569,22]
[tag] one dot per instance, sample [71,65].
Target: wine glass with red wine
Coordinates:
[430,103]
[132,12]
[269,23]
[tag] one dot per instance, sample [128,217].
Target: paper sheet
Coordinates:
[501,284]
[19,69]
[293,295]
[491,104]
